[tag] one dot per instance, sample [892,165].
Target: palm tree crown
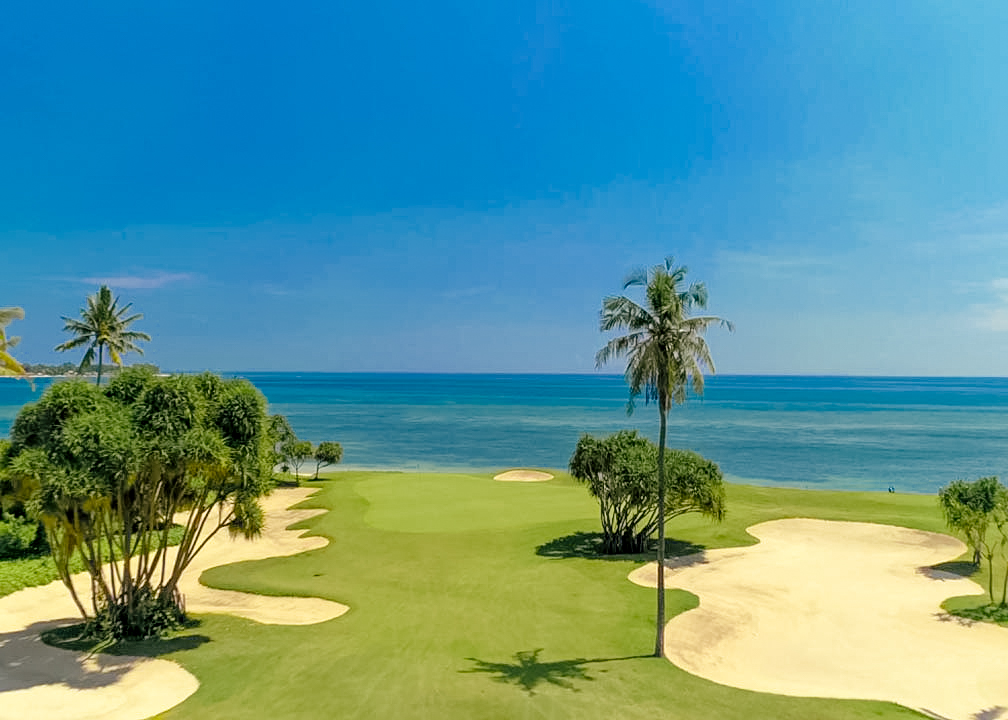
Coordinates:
[8,365]
[665,350]
[103,325]
[665,347]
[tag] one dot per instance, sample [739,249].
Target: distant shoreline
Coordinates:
[85,376]
[409,373]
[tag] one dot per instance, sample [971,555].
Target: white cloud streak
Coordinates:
[994,315]
[138,282]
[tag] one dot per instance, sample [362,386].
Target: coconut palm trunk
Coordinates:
[660,632]
[665,351]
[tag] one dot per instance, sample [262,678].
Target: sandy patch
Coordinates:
[837,609]
[37,680]
[523,476]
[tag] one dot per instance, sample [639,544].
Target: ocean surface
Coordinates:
[915,434]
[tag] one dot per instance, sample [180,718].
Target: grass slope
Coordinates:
[473,598]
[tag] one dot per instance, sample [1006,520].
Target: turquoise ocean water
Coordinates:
[817,432]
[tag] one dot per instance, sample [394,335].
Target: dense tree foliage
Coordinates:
[666,351]
[979,510]
[968,508]
[621,472]
[103,325]
[107,469]
[327,453]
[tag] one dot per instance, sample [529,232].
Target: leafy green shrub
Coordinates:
[20,537]
[621,472]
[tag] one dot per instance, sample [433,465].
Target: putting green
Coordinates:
[472,598]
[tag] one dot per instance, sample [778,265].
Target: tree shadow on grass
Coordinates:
[26,663]
[528,672]
[589,544]
[969,616]
[952,570]
[69,637]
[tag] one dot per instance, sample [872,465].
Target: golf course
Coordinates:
[474,598]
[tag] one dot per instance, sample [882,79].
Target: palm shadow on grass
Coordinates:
[528,671]
[589,544]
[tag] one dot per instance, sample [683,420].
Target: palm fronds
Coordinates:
[103,325]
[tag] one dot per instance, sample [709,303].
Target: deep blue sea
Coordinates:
[855,433]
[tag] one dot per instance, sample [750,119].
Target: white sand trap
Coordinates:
[838,609]
[39,681]
[523,476]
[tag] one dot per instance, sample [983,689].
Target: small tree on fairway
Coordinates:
[621,472]
[968,508]
[297,452]
[666,351]
[327,453]
[281,437]
[979,510]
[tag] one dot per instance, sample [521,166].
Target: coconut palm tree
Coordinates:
[665,350]
[103,325]
[8,365]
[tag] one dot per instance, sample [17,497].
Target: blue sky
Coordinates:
[454,187]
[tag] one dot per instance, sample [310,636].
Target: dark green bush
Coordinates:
[20,537]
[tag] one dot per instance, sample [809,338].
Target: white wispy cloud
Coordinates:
[994,315]
[138,282]
[772,265]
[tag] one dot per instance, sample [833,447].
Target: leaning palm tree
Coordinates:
[8,365]
[103,325]
[665,351]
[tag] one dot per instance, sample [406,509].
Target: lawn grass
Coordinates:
[477,599]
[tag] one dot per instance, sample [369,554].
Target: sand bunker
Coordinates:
[523,476]
[838,609]
[37,680]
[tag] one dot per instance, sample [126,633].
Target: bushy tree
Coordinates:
[621,472]
[297,453]
[281,436]
[979,510]
[327,453]
[968,508]
[106,470]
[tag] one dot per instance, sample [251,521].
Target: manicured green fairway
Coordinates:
[455,614]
